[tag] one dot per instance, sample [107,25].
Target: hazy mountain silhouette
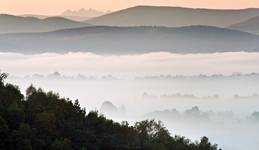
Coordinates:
[14,24]
[173,17]
[35,16]
[82,14]
[132,40]
[250,25]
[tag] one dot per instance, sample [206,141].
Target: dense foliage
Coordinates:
[44,121]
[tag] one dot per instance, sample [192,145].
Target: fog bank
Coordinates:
[149,63]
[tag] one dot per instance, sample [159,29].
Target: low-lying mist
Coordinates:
[215,95]
[149,63]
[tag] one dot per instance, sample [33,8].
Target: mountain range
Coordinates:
[174,17]
[82,14]
[242,19]
[17,24]
[132,40]
[134,30]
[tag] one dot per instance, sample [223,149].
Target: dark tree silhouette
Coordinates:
[44,121]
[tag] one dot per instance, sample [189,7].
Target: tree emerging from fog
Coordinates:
[44,121]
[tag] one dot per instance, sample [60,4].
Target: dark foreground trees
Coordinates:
[44,121]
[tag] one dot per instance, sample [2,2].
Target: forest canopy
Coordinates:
[42,120]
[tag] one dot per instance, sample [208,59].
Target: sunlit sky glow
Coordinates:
[55,7]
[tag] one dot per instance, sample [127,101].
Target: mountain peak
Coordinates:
[144,15]
[82,12]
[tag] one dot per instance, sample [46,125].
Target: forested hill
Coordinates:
[44,121]
[132,40]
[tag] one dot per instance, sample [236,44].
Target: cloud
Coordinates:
[149,63]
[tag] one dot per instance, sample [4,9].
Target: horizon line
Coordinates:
[111,11]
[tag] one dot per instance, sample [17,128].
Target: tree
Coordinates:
[206,145]
[3,133]
[3,76]
[43,120]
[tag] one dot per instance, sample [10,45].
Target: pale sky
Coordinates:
[55,7]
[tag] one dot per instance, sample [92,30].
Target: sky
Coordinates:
[55,7]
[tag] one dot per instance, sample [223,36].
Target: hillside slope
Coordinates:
[173,17]
[44,121]
[250,25]
[132,40]
[17,24]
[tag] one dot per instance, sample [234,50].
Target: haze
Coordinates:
[196,70]
[225,101]
[151,63]
[47,7]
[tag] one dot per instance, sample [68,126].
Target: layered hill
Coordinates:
[173,17]
[132,40]
[16,24]
[250,25]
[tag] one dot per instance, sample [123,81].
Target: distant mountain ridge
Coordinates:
[173,17]
[35,16]
[250,25]
[18,24]
[132,40]
[82,14]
